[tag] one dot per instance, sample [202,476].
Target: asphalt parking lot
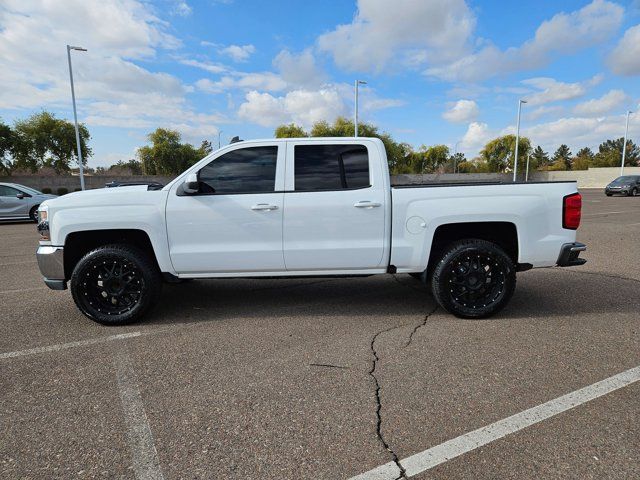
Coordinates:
[330,378]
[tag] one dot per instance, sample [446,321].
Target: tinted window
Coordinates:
[8,191]
[331,167]
[246,170]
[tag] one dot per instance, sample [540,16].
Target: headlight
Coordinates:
[43,222]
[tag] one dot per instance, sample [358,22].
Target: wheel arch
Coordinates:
[78,244]
[503,234]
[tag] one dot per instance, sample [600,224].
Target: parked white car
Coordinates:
[18,202]
[304,207]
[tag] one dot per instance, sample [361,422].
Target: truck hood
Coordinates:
[100,196]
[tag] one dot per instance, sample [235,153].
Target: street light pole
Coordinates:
[624,145]
[355,120]
[75,114]
[515,160]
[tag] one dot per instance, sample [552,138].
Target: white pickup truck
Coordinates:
[301,208]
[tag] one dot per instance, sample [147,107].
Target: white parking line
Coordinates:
[453,448]
[64,346]
[608,213]
[144,455]
[20,290]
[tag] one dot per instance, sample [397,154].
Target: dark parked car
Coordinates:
[628,185]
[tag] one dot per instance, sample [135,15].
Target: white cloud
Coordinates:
[564,33]
[611,100]
[462,111]
[238,53]
[269,81]
[580,132]
[303,107]
[543,111]
[416,31]
[550,90]
[300,70]
[476,136]
[206,66]
[111,89]
[625,57]
[182,9]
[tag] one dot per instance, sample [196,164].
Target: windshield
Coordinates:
[624,180]
[32,191]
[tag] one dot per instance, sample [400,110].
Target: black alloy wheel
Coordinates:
[474,279]
[115,284]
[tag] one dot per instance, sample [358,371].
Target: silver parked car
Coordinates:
[20,202]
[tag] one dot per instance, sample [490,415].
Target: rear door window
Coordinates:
[330,167]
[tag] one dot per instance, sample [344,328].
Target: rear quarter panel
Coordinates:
[534,208]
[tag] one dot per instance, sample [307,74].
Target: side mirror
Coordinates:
[20,195]
[191,184]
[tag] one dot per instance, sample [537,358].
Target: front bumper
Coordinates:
[51,264]
[569,255]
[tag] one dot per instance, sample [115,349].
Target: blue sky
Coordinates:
[438,71]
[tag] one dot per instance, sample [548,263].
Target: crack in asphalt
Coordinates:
[420,325]
[374,364]
[327,365]
[600,274]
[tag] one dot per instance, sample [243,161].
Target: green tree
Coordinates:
[455,161]
[167,155]
[610,154]
[432,158]
[583,159]
[561,158]
[6,148]
[541,157]
[205,148]
[500,152]
[290,131]
[130,167]
[42,140]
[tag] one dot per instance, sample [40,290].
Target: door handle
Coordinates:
[367,204]
[264,206]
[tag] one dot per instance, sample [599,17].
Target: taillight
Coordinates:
[571,211]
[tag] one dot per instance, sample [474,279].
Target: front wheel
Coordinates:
[633,192]
[33,213]
[115,284]
[473,279]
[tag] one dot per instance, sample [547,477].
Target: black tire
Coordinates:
[633,192]
[116,284]
[608,194]
[473,279]
[33,213]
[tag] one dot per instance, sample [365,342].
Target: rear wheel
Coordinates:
[473,279]
[115,284]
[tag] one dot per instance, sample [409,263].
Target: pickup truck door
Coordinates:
[234,222]
[334,206]
[10,204]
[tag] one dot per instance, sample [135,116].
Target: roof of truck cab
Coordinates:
[302,139]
